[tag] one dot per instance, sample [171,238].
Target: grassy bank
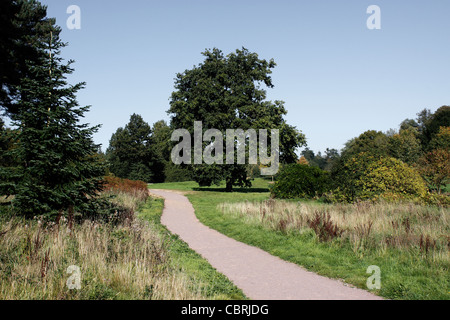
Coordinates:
[408,243]
[136,259]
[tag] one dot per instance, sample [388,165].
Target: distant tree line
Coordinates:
[142,152]
[410,162]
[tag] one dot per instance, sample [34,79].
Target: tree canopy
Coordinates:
[23,26]
[225,92]
[129,154]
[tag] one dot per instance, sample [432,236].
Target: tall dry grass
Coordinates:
[125,260]
[116,262]
[424,230]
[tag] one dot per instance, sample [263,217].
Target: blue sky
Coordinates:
[337,77]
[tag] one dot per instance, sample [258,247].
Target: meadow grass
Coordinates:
[134,260]
[409,243]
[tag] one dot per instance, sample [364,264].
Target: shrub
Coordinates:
[300,181]
[124,185]
[345,173]
[177,173]
[441,200]
[367,177]
[120,200]
[390,178]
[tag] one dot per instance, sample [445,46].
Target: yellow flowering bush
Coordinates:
[373,178]
[391,179]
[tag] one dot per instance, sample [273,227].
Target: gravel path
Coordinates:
[258,274]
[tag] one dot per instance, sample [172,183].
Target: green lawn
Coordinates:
[258,185]
[404,276]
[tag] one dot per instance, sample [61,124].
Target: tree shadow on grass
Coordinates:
[235,190]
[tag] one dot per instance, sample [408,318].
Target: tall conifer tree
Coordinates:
[58,170]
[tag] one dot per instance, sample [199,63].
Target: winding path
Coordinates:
[258,274]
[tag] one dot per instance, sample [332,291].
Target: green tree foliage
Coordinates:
[163,168]
[225,93]
[423,117]
[441,140]
[300,181]
[57,169]
[435,168]
[405,146]
[346,172]
[23,24]
[371,177]
[129,153]
[441,118]
[141,152]
[315,160]
[409,124]
[428,124]
[373,142]
[177,173]
[161,146]
[324,162]
[290,140]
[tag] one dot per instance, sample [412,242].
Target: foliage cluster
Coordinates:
[300,181]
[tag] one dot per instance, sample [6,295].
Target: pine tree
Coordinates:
[58,170]
[22,25]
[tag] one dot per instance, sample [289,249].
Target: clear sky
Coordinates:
[337,77]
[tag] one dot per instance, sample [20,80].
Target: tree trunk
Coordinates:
[229,187]
[71,218]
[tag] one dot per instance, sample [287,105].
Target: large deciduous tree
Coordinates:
[435,168]
[225,92]
[434,165]
[428,124]
[441,118]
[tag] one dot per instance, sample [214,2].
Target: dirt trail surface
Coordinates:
[258,274]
